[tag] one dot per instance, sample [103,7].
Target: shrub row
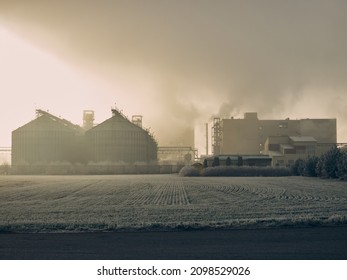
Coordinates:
[64,168]
[236,171]
[332,164]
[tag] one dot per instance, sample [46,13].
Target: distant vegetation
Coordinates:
[100,168]
[5,168]
[331,165]
[189,171]
[237,171]
[241,171]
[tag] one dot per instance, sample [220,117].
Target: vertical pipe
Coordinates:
[206,138]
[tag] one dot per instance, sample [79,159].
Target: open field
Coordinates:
[167,202]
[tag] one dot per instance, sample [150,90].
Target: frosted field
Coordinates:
[167,202]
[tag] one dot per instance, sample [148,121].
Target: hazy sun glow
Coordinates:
[31,78]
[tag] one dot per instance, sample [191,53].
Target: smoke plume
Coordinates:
[189,60]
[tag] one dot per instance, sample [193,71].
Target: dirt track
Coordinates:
[281,243]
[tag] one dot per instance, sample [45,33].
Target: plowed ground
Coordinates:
[167,202]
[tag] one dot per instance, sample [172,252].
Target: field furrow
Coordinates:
[49,203]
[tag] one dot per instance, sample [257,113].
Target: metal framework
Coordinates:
[88,119]
[137,119]
[5,155]
[216,136]
[179,152]
[206,139]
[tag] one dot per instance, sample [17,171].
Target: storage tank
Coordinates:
[119,140]
[44,140]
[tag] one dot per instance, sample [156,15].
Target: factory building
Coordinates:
[284,140]
[45,140]
[241,160]
[121,140]
[51,140]
[284,150]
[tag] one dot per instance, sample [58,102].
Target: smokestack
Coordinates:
[206,138]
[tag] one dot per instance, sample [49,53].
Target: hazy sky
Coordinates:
[176,62]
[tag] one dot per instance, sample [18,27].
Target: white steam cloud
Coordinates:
[189,60]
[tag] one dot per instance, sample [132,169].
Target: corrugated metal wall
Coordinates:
[49,139]
[41,142]
[118,140]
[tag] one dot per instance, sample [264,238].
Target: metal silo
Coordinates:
[46,139]
[119,140]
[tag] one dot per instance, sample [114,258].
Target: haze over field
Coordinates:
[176,62]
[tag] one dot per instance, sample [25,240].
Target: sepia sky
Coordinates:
[176,62]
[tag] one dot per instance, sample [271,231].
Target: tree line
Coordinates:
[332,164]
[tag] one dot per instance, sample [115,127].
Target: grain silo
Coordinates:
[119,140]
[46,139]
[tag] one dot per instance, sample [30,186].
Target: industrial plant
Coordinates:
[49,140]
[283,141]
